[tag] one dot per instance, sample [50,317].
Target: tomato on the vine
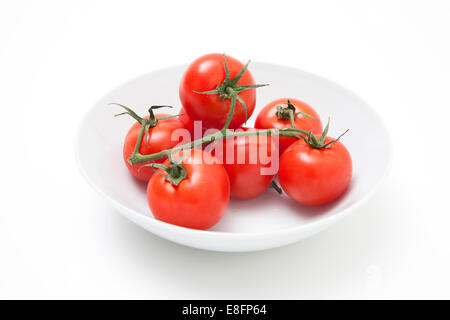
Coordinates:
[209,86]
[250,161]
[277,115]
[316,171]
[192,190]
[158,136]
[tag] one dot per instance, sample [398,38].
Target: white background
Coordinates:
[58,239]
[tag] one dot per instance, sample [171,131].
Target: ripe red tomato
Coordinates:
[199,200]
[205,74]
[187,122]
[250,161]
[158,138]
[270,117]
[190,126]
[315,176]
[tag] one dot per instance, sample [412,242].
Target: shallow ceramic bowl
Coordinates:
[265,222]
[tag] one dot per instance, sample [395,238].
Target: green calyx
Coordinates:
[176,171]
[288,113]
[284,113]
[318,143]
[146,124]
[229,89]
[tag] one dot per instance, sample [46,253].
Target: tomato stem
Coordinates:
[176,172]
[233,95]
[139,139]
[277,188]
[318,143]
[291,118]
[137,158]
[288,113]
[146,124]
[225,133]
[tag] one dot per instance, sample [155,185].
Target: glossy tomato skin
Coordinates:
[204,74]
[267,119]
[158,139]
[190,126]
[315,177]
[199,201]
[187,121]
[244,158]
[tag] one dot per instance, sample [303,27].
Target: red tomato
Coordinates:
[190,125]
[250,161]
[187,122]
[268,118]
[198,201]
[158,139]
[315,176]
[205,74]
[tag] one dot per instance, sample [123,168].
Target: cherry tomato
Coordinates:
[315,176]
[158,138]
[187,122]
[205,74]
[250,161]
[269,117]
[199,200]
[190,125]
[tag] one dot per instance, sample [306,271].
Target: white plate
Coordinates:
[265,222]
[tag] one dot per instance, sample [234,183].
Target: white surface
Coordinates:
[58,239]
[266,222]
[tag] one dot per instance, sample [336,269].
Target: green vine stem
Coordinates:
[137,158]
[319,143]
